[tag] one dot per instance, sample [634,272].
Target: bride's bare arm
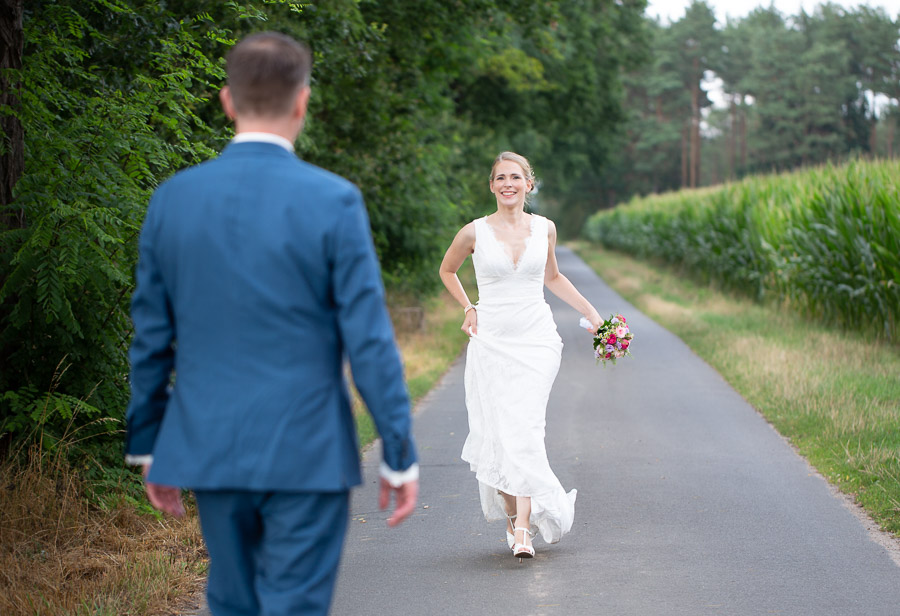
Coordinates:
[462,246]
[563,288]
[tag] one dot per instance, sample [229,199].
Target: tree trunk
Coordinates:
[12,163]
[873,139]
[695,127]
[695,152]
[890,137]
[804,160]
[732,138]
[684,154]
[743,134]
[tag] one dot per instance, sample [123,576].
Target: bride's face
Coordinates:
[509,184]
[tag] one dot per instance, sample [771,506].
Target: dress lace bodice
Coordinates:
[497,276]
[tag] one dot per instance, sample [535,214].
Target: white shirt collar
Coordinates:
[265,138]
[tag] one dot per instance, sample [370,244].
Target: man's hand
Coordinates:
[165,498]
[407,495]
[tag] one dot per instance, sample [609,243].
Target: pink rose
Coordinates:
[621,331]
[611,339]
[625,344]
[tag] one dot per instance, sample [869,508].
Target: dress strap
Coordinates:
[479,229]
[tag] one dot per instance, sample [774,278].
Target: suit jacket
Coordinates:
[256,277]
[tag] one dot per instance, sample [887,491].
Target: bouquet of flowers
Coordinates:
[612,340]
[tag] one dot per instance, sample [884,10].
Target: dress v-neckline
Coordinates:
[503,246]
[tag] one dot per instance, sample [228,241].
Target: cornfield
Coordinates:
[825,241]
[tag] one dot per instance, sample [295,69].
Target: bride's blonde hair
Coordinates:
[522,162]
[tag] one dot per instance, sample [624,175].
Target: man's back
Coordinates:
[246,248]
[256,277]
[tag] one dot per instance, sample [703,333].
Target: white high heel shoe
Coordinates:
[510,537]
[524,549]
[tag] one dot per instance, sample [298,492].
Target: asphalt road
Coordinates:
[688,503]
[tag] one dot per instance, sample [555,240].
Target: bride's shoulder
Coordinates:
[468,231]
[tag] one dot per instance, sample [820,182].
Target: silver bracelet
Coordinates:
[468,308]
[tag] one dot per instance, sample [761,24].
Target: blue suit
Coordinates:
[256,277]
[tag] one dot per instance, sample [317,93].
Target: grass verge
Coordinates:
[428,348]
[834,393]
[62,552]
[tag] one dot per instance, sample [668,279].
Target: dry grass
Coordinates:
[429,351]
[658,305]
[59,554]
[428,345]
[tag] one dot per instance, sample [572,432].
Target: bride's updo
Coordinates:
[522,162]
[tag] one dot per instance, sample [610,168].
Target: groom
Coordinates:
[256,277]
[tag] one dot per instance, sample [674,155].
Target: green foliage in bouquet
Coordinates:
[612,340]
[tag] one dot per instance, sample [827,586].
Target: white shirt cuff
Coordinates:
[398,478]
[146,458]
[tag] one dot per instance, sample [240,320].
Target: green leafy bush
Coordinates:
[117,95]
[100,135]
[826,240]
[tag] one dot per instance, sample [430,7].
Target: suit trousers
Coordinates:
[272,553]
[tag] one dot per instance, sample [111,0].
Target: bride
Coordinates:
[513,357]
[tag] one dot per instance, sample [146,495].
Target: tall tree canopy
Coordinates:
[795,90]
[411,101]
[103,100]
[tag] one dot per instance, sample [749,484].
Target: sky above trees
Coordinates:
[672,10]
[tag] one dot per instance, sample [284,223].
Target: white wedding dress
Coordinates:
[511,364]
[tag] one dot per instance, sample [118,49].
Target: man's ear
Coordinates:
[227,102]
[301,102]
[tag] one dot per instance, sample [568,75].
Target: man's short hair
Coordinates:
[265,72]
